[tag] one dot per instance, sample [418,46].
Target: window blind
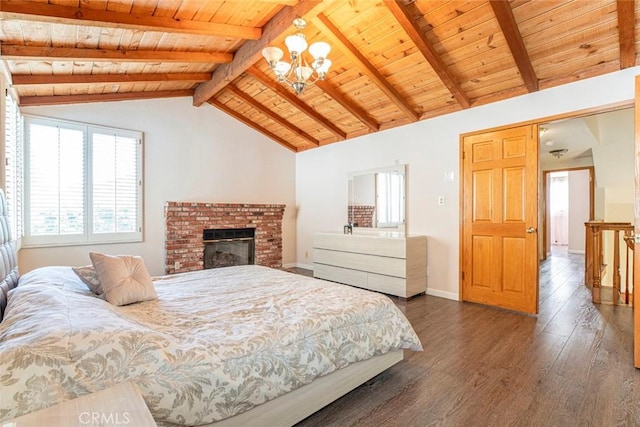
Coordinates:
[84,183]
[114,183]
[390,199]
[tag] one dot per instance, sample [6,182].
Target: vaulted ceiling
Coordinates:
[394,62]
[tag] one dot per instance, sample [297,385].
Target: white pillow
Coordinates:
[90,278]
[124,278]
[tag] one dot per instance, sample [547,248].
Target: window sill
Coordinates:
[62,245]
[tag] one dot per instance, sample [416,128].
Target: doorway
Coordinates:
[565,143]
[569,203]
[558,211]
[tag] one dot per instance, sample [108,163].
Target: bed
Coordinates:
[244,345]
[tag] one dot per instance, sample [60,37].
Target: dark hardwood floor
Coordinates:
[572,365]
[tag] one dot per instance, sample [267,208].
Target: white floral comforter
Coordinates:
[214,344]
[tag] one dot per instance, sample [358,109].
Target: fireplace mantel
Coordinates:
[185,222]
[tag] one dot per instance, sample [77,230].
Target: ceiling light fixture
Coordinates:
[298,73]
[558,153]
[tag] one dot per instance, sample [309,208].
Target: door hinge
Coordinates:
[462,275]
[463,155]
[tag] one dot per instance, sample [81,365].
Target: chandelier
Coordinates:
[298,73]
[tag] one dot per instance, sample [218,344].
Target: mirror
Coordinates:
[377,198]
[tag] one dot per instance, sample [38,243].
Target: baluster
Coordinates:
[588,255]
[616,267]
[597,266]
[626,273]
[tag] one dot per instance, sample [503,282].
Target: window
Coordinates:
[390,198]
[83,183]
[13,165]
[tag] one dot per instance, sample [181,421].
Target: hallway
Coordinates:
[559,275]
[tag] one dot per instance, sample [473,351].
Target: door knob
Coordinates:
[530,230]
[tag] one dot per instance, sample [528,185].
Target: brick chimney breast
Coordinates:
[185,222]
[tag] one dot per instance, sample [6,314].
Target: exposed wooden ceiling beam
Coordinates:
[79,54]
[251,124]
[336,38]
[402,15]
[101,97]
[296,102]
[251,51]
[348,105]
[26,10]
[271,115]
[626,33]
[509,27]
[72,79]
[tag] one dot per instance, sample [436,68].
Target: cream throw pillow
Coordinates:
[124,278]
[90,278]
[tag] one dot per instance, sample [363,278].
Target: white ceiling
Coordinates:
[580,136]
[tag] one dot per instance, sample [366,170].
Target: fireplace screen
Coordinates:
[228,247]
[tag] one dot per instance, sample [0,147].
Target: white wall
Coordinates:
[191,154]
[614,164]
[431,149]
[578,209]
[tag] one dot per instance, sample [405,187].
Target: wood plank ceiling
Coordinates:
[394,62]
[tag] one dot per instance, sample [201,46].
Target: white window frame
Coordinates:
[88,237]
[13,182]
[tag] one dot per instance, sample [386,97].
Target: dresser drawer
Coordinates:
[388,247]
[363,262]
[387,284]
[341,275]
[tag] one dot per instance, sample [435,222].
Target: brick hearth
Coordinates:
[185,222]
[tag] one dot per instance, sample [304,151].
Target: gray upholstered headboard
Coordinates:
[8,259]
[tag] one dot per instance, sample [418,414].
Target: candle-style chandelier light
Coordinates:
[298,73]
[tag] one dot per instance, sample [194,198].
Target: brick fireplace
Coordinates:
[185,222]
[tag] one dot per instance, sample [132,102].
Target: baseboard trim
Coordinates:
[298,265]
[443,294]
[575,251]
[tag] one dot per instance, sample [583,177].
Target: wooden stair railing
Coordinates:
[629,240]
[595,267]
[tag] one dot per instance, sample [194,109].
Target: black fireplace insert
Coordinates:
[225,247]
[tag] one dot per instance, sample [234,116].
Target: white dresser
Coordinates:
[382,261]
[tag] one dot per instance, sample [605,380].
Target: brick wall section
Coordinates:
[185,222]
[361,215]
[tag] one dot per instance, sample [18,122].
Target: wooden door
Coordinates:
[636,248]
[500,219]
